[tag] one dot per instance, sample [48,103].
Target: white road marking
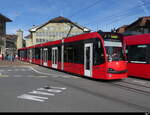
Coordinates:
[37,76]
[61,88]
[141,82]
[32,97]
[22,69]
[53,75]
[9,70]
[50,90]
[42,93]
[42,72]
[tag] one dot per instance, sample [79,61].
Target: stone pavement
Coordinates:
[4,63]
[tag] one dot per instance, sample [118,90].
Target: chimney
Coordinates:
[19,39]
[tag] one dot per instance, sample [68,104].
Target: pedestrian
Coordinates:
[2,56]
[6,57]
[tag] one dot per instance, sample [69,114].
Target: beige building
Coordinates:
[28,41]
[55,29]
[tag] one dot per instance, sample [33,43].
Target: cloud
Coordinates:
[41,10]
[144,7]
[13,15]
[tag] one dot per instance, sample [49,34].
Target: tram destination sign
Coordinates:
[112,37]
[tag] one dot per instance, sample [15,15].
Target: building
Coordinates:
[28,41]
[3,21]
[55,29]
[14,42]
[11,44]
[140,26]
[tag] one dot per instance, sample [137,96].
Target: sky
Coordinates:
[94,14]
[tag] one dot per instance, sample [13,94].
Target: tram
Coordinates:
[138,55]
[97,55]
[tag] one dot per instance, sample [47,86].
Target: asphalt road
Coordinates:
[38,89]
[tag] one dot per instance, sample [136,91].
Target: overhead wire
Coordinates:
[121,14]
[84,9]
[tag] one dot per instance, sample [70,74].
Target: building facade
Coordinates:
[55,29]
[28,41]
[11,44]
[3,20]
[140,26]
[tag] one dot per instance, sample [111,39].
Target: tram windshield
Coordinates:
[114,51]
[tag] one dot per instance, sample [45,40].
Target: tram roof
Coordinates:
[137,39]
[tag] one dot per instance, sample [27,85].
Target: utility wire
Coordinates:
[85,9]
[112,16]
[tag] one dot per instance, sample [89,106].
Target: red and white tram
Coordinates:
[98,55]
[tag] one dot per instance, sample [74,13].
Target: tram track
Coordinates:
[135,87]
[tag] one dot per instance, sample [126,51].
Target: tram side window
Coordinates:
[74,53]
[98,54]
[79,53]
[69,54]
[137,53]
[33,53]
[37,53]
[49,53]
[25,53]
[59,53]
[28,53]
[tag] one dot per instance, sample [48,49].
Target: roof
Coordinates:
[34,28]
[142,21]
[59,19]
[122,29]
[6,19]
[11,37]
[28,36]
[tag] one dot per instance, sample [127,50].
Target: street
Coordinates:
[32,88]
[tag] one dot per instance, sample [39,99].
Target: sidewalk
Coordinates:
[4,63]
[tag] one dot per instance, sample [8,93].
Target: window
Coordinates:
[69,54]
[74,53]
[137,53]
[37,53]
[98,50]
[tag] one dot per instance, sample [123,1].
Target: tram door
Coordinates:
[55,57]
[88,59]
[30,55]
[45,57]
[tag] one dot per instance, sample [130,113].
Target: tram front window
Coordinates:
[114,52]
